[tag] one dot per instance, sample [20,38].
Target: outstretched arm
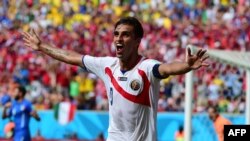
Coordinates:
[192,62]
[33,41]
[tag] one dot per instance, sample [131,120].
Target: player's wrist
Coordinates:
[39,43]
[189,66]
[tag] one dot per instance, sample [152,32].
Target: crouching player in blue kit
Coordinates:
[20,110]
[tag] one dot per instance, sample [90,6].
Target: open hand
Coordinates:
[31,39]
[197,60]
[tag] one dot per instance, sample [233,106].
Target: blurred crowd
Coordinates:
[86,26]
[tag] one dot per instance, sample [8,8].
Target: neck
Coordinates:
[216,117]
[20,100]
[129,63]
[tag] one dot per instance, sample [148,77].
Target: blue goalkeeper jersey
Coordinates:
[20,113]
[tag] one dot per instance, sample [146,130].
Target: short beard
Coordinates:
[17,97]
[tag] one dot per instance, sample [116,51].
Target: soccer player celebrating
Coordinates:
[131,80]
[20,110]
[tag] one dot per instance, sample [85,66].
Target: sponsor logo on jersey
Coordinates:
[135,85]
[122,78]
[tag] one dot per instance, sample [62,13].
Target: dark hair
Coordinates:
[22,89]
[215,108]
[138,30]
[181,128]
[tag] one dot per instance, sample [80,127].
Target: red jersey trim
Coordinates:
[142,98]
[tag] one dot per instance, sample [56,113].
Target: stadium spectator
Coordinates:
[218,121]
[179,135]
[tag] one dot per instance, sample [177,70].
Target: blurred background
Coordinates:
[86,26]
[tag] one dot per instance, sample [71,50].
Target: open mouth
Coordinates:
[119,47]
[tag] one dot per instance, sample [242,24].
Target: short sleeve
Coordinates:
[156,72]
[152,66]
[95,65]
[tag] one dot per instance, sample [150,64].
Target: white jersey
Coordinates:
[132,95]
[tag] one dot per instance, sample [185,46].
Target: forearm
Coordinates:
[66,56]
[35,115]
[174,68]
[5,115]
[37,118]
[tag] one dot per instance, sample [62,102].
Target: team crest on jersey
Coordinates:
[135,85]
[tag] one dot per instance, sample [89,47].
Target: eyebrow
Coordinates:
[126,32]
